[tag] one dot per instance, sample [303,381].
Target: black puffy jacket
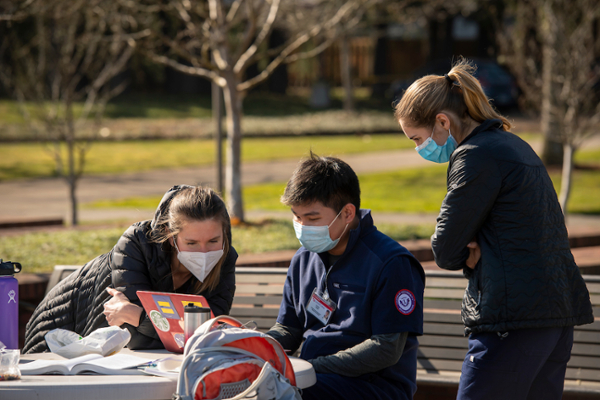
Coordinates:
[76,303]
[500,194]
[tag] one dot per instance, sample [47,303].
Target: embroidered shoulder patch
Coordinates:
[405,301]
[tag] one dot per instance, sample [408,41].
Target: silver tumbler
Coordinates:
[193,317]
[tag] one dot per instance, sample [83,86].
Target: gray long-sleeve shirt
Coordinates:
[374,354]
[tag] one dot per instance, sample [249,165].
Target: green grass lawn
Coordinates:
[28,160]
[422,191]
[416,190]
[38,252]
[179,106]
[409,191]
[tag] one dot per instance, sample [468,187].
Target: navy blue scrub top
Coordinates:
[377,286]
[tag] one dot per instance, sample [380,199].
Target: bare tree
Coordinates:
[570,36]
[59,60]
[553,49]
[526,52]
[13,10]
[220,39]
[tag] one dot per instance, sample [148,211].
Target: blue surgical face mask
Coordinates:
[316,238]
[431,151]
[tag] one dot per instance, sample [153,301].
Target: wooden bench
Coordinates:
[443,346]
[258,295]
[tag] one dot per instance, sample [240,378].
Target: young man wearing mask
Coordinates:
[352,294]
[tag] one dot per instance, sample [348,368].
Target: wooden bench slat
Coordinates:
[429,364]
[450,318]
[445,329]
[261,270]
[584,362]
[593,287]
[441,353]
[432,340]
[594,326]
[251,278]
[458,283]
[581,336]
[437,293]
[255,311]
[262,300]
[586,349]
[433,358]
[442,304]
[583,374]
[259,289]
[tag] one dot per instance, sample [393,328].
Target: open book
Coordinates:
[118,364]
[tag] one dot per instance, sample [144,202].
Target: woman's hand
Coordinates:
[474,254]
[119,310]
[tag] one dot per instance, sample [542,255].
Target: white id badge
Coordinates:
[320,307]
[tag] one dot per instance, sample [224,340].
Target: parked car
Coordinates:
[497,83]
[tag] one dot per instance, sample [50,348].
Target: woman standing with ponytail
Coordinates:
[501,223]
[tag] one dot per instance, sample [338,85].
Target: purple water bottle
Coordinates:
[9,304]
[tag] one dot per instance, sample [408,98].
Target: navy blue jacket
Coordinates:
[500,194]
[377,286]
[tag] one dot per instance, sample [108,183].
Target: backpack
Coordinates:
[228,361]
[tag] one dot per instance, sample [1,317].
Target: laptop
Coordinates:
[166,313]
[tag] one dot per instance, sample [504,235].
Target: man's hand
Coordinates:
[474,254]
[119,310]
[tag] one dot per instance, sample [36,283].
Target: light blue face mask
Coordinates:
[316,238]
[431,151]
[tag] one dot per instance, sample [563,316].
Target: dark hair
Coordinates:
[195,203]
[328,180]
[457,91]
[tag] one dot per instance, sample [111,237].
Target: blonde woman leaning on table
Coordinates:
[501,223]
[186,248]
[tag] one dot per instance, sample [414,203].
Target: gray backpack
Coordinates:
[228,361]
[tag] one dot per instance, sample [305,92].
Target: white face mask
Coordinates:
[198,263]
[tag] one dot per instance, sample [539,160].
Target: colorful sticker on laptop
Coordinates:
[405,301]
[160,322]
[179,339]
[165,306]
[196,303]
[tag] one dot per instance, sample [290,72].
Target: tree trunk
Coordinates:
[217,112]
[233,173]
[566,179]
[552,152]
[71,173]
[346,73]
[552,149]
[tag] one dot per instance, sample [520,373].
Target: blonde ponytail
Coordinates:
[458,91]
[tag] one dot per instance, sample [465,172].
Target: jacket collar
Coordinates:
[365,224]
[487,125]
